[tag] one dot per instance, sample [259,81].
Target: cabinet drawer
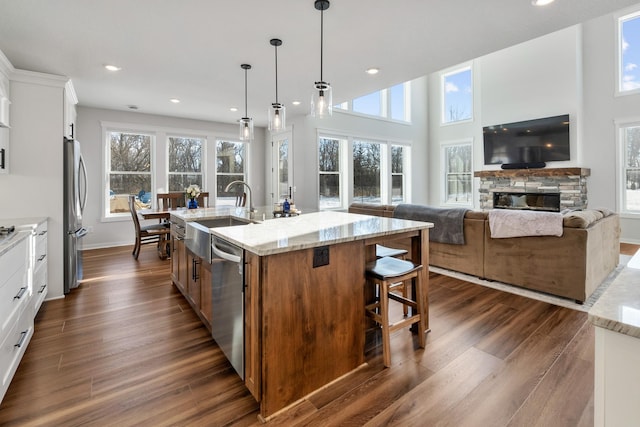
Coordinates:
[15,291]
[13,347]
[41,245]
[40,287]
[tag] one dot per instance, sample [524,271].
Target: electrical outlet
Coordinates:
[320,256]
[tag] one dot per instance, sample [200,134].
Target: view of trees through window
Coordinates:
[631,143]
[329,171]
[397,174]
[458,184]
[366,172]
[129,166]
[185,162]
[230,166]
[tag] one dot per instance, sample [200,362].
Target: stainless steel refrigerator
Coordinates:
[75,200]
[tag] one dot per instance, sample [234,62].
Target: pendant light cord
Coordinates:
[276,49]
[321,40]
[245,93]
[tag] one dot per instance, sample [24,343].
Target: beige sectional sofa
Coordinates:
[571,266]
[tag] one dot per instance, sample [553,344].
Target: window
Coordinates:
[129,170]
[185,162]
[392,103]
[230,166]
[457,96]
[398,179]
[629,143]
[629,53]
[329,170]
[367,169]
[457,180]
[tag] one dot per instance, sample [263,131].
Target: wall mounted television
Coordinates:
[529,143]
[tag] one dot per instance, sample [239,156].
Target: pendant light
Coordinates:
[321,99]
[277,113]
[246,123]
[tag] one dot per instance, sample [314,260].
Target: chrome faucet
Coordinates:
[251,209]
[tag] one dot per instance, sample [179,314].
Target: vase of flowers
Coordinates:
[192,192]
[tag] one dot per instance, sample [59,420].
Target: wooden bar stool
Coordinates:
[384,273]
[383,251]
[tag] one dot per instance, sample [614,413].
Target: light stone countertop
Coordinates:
[24,228]
[310,230]
[618,309]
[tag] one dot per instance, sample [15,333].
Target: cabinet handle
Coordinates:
[42,257]
[21,292]
[42,288]
[42,233]
[2,158]
[23,336]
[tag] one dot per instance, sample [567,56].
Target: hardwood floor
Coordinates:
[125,349]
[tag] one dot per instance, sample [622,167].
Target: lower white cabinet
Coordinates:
[23,288]
[16,311]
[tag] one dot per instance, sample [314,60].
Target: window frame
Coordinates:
[342,168]
[621,168]
[385,105]
[620,19]
[443,94]
[213,196]
[444,167]
[203,157]
[347,170]
[107,130]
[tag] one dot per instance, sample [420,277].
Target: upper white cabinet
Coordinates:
[5,105]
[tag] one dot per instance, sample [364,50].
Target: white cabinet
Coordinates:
[39,267]
[4,123]
[16,311]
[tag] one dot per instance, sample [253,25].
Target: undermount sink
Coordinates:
[197,237]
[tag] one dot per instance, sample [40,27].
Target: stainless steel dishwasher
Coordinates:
[227,281]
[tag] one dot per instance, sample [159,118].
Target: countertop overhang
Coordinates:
[309,230]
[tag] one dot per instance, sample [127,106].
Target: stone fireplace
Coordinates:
[551,189]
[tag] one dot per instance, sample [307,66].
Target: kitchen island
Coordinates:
[304,317]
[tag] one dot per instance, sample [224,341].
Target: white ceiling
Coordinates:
[192,49]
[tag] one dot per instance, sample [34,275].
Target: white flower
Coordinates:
[192,191]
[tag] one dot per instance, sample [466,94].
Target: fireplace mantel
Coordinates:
[570,183]
[508,173]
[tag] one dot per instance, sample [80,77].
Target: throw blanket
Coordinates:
[516,223]
[448,223]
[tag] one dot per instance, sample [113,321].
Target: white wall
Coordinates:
[305,145]
[89,133]
[569,71]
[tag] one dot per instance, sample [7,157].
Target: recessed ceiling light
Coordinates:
[541,2]
[373,70]
[234,109]
[112,67]
[295,102]
[175,100]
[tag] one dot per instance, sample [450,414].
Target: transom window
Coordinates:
[129,170]
[629,147]
[185,162]
[457,96]
[629,53]
[392,103]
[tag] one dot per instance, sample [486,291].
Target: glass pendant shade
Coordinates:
[277,117]
[321,100]
[246,129]
[246,123]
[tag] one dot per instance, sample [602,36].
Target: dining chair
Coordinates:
[203,199]
[170,200]
[145,234]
